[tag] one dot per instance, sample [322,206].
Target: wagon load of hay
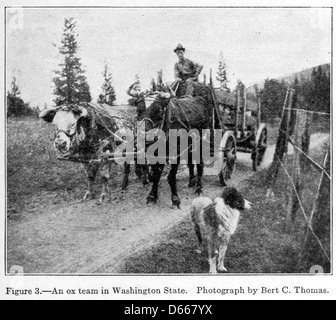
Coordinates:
[227,102]
[108,116]
[188,110]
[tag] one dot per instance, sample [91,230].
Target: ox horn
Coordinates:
[48,114]
[172,93]
[165,95]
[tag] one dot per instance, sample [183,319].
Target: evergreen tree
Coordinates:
[15,105]
[316,91]
[15,91]
[222,74]
[321,90]
[152,85]
[272,98]
[71,86]
[108,95]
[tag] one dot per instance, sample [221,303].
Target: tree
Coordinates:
[108,95]
[222,74]
[15,105]
[71,86]
[316,90]
[15,91]
[272,98]
[320,93]
[152,85]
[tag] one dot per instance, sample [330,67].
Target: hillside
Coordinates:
[305,74]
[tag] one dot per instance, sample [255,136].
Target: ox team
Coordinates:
[83,131]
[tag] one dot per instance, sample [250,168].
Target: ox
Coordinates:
[166,113]
[84,132]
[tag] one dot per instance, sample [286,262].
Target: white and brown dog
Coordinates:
[215,222]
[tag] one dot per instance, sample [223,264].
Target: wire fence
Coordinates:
[308,220]
[309,111]
[294,178]
[312,161]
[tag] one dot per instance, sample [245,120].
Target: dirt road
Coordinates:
[82,237]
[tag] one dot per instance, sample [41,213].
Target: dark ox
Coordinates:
[83,133]
[168,112]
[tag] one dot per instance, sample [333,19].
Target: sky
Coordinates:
[257,43]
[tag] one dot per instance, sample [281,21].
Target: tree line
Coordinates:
[15,105]
[311,93]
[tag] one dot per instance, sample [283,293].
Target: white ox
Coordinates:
[82,132]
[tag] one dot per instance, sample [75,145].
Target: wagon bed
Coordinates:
[239,119]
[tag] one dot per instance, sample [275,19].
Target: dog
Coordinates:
[215,221]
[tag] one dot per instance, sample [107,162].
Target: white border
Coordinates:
[189,283]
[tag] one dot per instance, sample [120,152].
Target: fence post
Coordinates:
[238,104]
[291,122]
[259,111]
[244,109]
[305,142]
[283,135]
[293,203]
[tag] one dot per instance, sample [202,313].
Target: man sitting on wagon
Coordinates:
[186,73]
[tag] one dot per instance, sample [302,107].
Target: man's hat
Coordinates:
[179,47]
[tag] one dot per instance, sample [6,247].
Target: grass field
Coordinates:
[32,168]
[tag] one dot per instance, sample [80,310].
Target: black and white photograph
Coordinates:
[165,143]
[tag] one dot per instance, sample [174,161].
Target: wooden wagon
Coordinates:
[242,129]
[231,112]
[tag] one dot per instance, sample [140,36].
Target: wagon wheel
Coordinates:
[260,147]
[228,156]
